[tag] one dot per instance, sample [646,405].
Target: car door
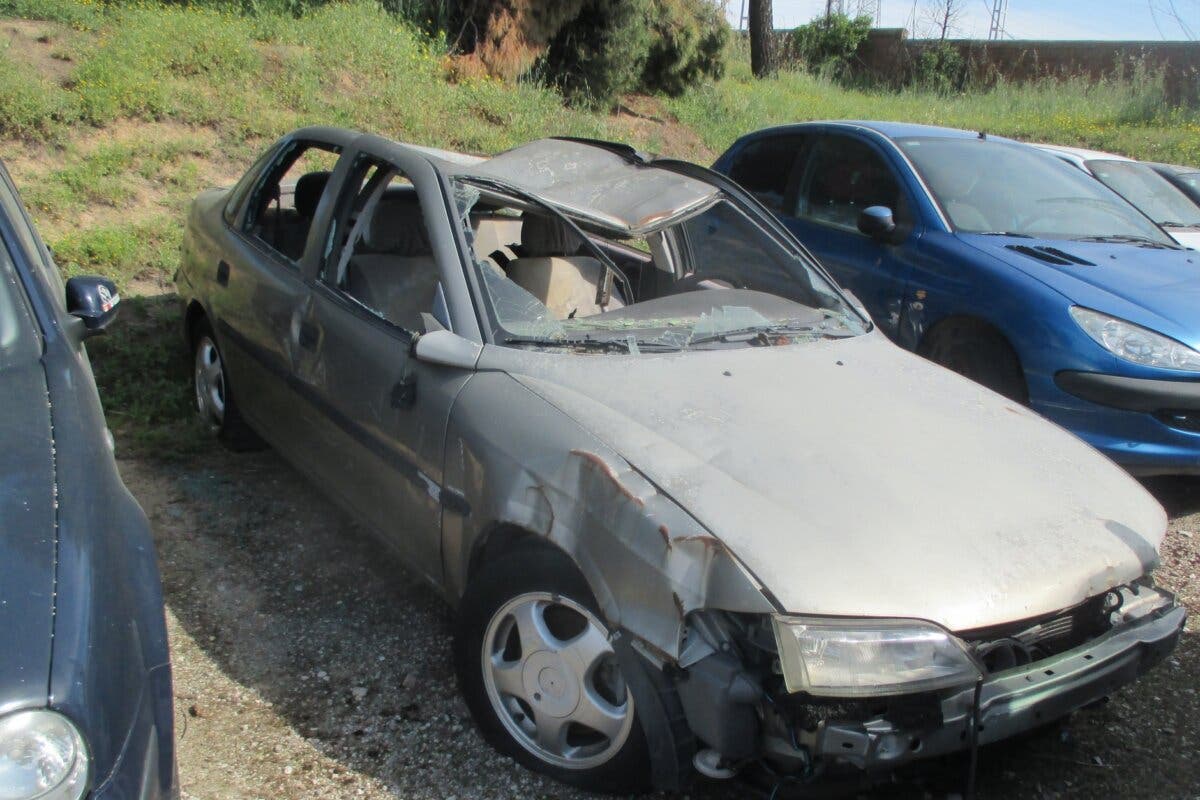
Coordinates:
[833,181]
[383,413]
[260,291]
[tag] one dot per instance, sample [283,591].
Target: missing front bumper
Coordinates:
[1013,701]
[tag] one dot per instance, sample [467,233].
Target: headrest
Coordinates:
[397,228]
[546,236]
[308,192]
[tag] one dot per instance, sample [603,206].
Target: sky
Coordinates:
[1152,20]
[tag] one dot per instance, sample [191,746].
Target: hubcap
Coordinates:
[210,383]
[553,680]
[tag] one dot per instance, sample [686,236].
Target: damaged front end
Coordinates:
[810,698]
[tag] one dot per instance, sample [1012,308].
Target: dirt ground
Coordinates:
[309,664]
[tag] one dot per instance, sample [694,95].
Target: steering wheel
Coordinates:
[1092,203]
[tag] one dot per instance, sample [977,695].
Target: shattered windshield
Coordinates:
[712,278]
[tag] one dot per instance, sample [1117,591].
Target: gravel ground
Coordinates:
[309,664]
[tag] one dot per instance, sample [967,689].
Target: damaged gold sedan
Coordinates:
[694,512]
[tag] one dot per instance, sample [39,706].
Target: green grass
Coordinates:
[1128,116]
[122,111]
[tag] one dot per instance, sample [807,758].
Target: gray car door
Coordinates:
[383,413]
[261,290]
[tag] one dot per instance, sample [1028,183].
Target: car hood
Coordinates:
[27,536]
[1158,289]
[853,478]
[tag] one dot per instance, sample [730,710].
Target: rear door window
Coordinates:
[764,166]
[285,200]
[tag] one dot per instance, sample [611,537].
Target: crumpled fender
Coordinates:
[647,561]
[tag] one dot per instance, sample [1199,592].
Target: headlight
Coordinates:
[42,756]
[1135,343]
[870,657]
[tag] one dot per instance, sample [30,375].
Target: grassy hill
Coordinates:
[113,117]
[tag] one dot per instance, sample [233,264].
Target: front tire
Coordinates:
[214,396]
[541,678]
[978,352]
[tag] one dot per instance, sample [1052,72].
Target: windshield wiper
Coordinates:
[1004,233]
[1173,224]
[751,332]
[1125,238]
[627,345]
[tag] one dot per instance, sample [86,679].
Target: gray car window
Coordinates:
[284,202]
[18,333]
[32,244]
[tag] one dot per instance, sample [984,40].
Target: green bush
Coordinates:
[939,68]
[688,46]
[617,46]
[827,44]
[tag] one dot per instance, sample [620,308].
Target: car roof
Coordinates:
[1081,154]
[891,130]
[1177,169]
[609,185]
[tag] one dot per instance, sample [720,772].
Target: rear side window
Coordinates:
[763,167]
[285,200]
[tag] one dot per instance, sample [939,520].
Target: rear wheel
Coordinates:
[214,396]
[978,352]
[541,677]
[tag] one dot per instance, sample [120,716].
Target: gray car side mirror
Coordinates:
[446,348]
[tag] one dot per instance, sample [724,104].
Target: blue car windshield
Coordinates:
[986,186]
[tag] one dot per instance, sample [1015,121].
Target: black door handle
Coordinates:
[404,393]
[308,335]
[223,273]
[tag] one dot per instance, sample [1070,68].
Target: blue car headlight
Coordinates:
[42,756]
[1135,343]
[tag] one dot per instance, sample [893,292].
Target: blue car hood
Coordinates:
[1158,289]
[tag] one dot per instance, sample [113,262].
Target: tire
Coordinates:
[531,701]
[214,394]
[978,352]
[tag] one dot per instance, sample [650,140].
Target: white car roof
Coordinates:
[1081,154]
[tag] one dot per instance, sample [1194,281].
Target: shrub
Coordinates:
[688,46]
[939,68]
[827,44]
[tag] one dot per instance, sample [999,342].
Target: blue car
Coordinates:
[85,679]
[1005,264]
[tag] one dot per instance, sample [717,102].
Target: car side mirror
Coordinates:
[877,222]
[93,300]
[447,349]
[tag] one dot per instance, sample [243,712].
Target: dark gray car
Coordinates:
[85,682]
[615,414]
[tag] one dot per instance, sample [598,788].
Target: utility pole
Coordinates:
[999,12]
[870,8]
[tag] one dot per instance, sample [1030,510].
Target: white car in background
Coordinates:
[1141,185]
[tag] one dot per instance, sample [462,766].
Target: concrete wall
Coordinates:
[887,55]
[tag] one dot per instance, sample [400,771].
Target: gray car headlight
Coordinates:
[1135,343]
[42,756]
[869,657]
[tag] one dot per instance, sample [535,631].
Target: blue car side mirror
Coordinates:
[94,300]
[877,222]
